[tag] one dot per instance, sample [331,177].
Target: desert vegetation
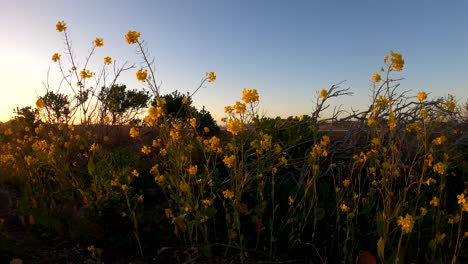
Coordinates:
[134,174]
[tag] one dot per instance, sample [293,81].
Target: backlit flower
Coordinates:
[107,60]
[397,61]
[132,37]
[234,127]
[421,96]
[134,132]
[250,95]
[211,76]
[376,77]
[61,26]
[323,94]
[85,73]
[98,42]
[56,57]
[142,74]
[240,107]
[40,103]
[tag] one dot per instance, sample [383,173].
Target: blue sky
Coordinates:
[288,50]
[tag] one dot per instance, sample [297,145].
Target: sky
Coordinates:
[287,50]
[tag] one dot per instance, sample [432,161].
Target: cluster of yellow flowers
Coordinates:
[98,42]
[463,202]
[61,26]
[107,60]
[86,74]
[376,77]
[142,75]
[235,127]
[250,95]
[421,96]
[397,62]
[324,94]
[132,37]
[211,76]
[406,223]
[229,160]
[56,57]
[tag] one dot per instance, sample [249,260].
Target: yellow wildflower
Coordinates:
[290,201]
[385,58]
[421,96]
[434,202]
[94,147]
[107,60]
[207,203]
[376,141]
[454,220]
[185,100]
[135,173]
[283,160]
[406,223]
[440,168]
[423,211]
[132,37]
[466,234]
[439,140]
[250,95]
[85,73]
[184,187]
[346,182]
[61,26]
[40,103]
[56,57]
[370,121]
[229,160]
[301,118]
[206,129]
[235,127]
[344,207]
[193,122]
[228,194]
[142,74]
[124,187]
[376,77]
[160,179]
[98,42]
[146,150]
[140,198]
[211,76]
[462,199]
[240,107]
[134,132]
[228,109]
[397,61]
[192,170]
[323,94]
